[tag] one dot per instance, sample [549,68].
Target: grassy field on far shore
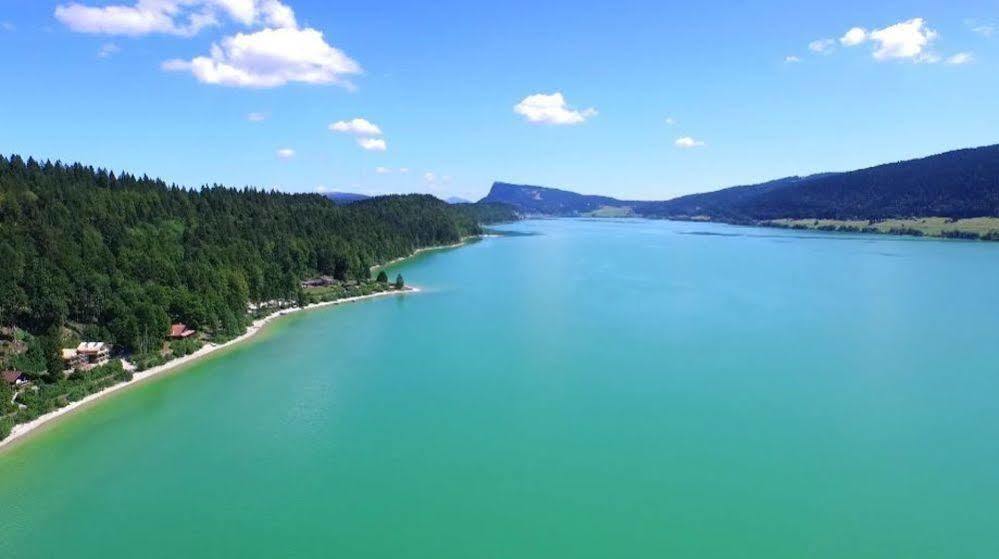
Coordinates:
[985,228]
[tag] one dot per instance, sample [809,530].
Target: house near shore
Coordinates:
[87,355]
[180,331]
[322,281]
[14,378]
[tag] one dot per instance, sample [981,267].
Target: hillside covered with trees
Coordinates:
[955,185]
[120,257]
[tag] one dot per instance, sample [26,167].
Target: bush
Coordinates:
[6,425]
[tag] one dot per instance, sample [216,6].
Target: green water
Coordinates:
[600,389]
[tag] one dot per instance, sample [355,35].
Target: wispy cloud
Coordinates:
[687,142]
[285,153]
[791,59]
[552,108]
[960,58]
[822,46]
[108,50]
[183,18]
[256,117]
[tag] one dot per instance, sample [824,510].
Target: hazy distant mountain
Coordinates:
[346,197]
[963,183]
[548,201]
[457,200]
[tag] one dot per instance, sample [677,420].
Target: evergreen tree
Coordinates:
[399,283]
[382,277]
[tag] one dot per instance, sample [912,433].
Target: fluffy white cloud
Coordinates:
[383,170]
[430,177]
[256,117]
[372,144]
[108,50]
[822,46]
[357,126]
[906,40]
[853,37]
[961,58]
[270,58]
[551,109]
[687,142]
[171,17]
[404,170]
[792,59]
[285,153]
[670,121]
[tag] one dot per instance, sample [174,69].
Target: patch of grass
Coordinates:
[984,228]
[611,211]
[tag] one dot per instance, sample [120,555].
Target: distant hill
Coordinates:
[956,184]
[457,200]
[346,197]
[540,200]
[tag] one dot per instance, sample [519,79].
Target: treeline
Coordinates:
[120,257]
[957,184]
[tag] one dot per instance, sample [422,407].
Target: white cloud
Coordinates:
[7,26]
[822,46]
[853,37]
[791,59]
[256,117]
[430,177]
[984,30]
[551,109]
[270,58]
[372,144]
[670,121]
[285,153]
[108,50]
[687,142]
[961,58]
[357,126]
[171,17]
[404,170]
[321,189]
[905,40]
[383,170]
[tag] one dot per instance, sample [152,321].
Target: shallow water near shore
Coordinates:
[622,388]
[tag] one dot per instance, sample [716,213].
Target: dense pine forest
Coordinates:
[120,257]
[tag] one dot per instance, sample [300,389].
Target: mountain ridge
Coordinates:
[956,184]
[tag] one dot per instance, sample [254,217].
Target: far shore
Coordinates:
[22,430]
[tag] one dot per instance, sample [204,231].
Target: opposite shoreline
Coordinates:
[22,430]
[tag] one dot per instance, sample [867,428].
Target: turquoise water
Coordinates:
[598,389]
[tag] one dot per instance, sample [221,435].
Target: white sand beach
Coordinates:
[19,432]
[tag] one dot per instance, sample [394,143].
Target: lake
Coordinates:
[620,388]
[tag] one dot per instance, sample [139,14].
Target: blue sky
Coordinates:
[658,98]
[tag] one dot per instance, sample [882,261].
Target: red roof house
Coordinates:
[180,331]
[13,377]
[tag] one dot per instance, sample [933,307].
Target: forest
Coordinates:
[118,258]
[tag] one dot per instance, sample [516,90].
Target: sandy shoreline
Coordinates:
[20,431]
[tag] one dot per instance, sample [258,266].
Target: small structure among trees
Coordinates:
[180,331]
